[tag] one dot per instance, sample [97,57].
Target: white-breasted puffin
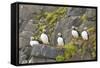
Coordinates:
[84,34]
[33,41]
[44,37]
[75,32]
[60,40]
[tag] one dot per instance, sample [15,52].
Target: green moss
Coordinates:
[92,29]
[83,17]
[38,17]
[93,54]
[49,16]
[59,58]
[70,50]
[92,36]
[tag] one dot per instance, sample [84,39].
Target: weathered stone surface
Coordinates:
[22,25]
[28,11]
[76,11]
[46,51]
[36,50]
[50,9]
[23,42]
[24,38]
[30,26]
[87,24]
[91,14]
[26,34]
[40,60]
[27,51]
[22,56]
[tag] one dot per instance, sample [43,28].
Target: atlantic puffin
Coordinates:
[84,34]
[33,41]
[60,40]
[44,37]
[75,32]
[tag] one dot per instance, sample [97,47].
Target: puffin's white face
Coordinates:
[59,34]
[73,27]
[85,28]
[44,30]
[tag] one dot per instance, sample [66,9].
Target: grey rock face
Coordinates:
[24,38]
[23,42]
[22,56]
[36,50]
[50,9]
[40,60]
[30,26]
[46,51]
[25,34]
[91,14]
[76,11]
[27,11]
[87,24]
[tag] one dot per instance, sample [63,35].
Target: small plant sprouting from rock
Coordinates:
[83,18]
[70,50]
[60,58]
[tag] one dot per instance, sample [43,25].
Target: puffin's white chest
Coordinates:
[60,41]
[84,35]
[75,34]
[44,38]
[34,42]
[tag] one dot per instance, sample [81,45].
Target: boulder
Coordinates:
[40,60]
[46,51]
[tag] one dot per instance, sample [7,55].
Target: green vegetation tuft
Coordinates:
[59,58]
[83,17]
[70,50]
[92,29]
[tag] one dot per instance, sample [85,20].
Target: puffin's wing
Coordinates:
[87,35]
[63,39]
[79,34]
